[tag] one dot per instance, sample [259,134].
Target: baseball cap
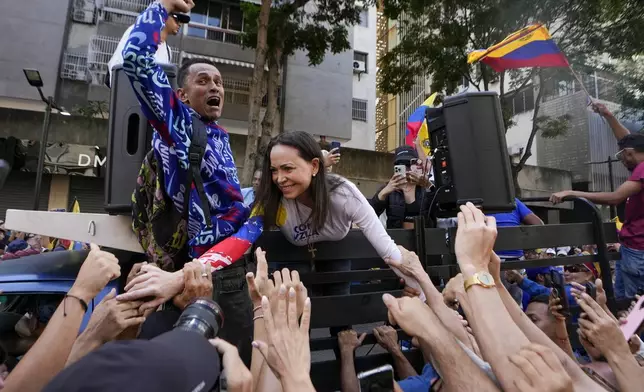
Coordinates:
[532,273]
[177,361]
[563,251]
[550,251]
[632,140]
[404,154]
[181,18]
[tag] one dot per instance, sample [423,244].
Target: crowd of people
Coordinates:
[485,330]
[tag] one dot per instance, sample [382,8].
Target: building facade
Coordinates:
[70,43]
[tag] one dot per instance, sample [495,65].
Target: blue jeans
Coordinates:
[629,273]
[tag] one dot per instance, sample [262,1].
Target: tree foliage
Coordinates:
[315,28]
[438,35]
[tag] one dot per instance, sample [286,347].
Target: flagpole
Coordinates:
[584,88]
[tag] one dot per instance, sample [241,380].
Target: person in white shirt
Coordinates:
[164,53]
[249,193]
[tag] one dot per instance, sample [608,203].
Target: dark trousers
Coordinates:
[230,291]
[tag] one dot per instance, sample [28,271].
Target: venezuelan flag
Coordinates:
[531,46]
[417,125]
[75,245]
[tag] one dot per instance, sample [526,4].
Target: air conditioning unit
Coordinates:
[359,67]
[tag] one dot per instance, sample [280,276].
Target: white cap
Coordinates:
[563,251]
[551,251]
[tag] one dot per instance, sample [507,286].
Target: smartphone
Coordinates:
[634,319]
[335,145]
[591,289]
[400,169]
[380,379]
[559,288]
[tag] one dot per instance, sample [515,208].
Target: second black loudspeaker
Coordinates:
[471,161]
[130,138]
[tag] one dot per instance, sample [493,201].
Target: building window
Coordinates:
[361,56]
[359,109]
[216,21]
[364,18]
[521,102]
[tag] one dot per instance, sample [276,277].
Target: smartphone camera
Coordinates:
[380,379]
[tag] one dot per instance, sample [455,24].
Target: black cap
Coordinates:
[181,18]
[177,361]
[405,154]
[633,140]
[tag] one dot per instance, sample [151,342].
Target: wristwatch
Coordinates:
[482,278]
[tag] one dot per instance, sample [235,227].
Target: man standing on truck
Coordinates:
[173,114]
[629,276]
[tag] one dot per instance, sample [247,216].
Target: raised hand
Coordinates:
[475,238]
[154,286]
[112,317]
[197,280]
[387,337]
[238,377]
[453,288]
[287,350]
[349,341]
[183,6]
[600,329]
[98,269]
[411,314]
[332,158]
[540,370]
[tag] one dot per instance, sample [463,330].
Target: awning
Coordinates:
[219,60]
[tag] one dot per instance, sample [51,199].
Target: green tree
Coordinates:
[276,31]
[440,33]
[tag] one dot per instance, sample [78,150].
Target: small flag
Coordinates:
[531,46]
[75,245]
[417,125]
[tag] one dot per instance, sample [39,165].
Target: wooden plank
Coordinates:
[114,231]
[341,310]
[353,246]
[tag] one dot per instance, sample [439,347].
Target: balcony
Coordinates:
[213,33]
[123,11]
[100,51]
[84,11]
[75,67]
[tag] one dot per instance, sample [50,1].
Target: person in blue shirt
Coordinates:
[521,215]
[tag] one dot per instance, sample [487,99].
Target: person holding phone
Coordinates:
[404,197]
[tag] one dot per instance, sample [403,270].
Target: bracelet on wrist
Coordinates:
[82,302]
[259,316]
[256,308]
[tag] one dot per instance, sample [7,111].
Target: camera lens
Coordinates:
[203,316]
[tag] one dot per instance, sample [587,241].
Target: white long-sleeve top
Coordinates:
[347,206]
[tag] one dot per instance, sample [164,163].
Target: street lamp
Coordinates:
[34,80]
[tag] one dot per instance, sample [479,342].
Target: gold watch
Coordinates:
[482,278]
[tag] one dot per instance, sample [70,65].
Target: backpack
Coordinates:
[160,228]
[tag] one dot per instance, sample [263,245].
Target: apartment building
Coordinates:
[70,43]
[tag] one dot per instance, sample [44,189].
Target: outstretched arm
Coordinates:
[233,248]
[169,117]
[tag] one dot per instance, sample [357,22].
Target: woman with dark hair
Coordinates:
[306,203]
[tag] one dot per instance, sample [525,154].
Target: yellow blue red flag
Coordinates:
[531,46]
[417,125]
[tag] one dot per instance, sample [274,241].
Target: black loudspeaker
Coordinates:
[471,161]
[130,138]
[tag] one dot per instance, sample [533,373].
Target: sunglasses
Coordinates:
[576,268]
[620,153]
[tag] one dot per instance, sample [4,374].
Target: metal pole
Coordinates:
[41,152]
[613,209]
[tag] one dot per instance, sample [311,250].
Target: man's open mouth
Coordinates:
[214,101]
